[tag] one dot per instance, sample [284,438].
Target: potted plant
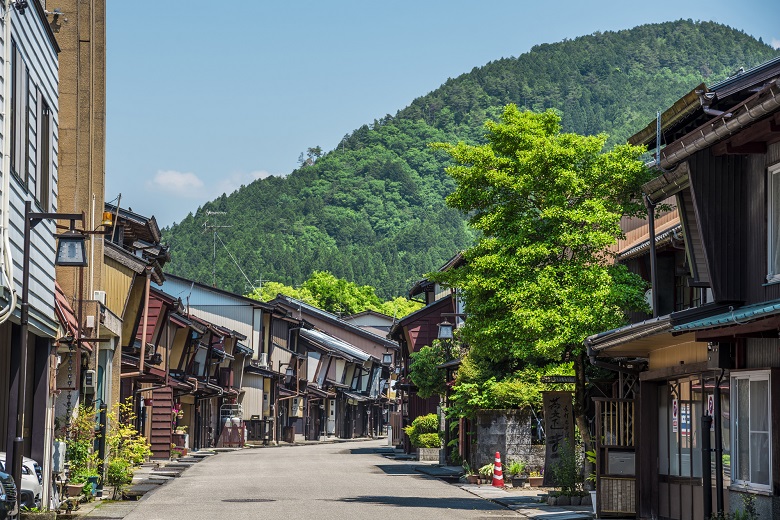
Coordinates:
[424,435]
[590,455]
[514,470]
[469,473]
[535,478]
[486,473]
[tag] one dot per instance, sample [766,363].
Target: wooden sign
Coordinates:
[558,429]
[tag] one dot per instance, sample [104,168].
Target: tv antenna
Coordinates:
[214,227]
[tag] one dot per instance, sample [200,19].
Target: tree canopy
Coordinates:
[337,295]
[548,205]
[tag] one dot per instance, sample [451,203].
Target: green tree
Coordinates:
[424,373]
[541,279]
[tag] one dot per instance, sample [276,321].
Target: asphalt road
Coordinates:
[346,481]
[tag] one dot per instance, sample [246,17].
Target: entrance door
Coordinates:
[681,404]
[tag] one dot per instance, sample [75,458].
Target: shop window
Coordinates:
[751,434]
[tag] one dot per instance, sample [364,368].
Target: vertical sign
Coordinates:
[711,410]
[675,415]
[559,428]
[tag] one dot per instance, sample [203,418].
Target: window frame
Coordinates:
[749,376]
[773,208]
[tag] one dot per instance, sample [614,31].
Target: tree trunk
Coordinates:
[580,405]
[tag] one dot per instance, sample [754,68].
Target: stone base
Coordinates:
[428,454]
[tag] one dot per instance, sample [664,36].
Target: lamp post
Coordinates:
[288,373]
[446,336]
[71,252]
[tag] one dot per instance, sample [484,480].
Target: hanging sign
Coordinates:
[711,410]
[675,415]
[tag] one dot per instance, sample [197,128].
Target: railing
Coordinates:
[615,424]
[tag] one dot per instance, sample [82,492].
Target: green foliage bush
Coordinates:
[428,440]
[424,371]
[425,425]
[567,469]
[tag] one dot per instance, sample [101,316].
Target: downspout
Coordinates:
[653,259]
[7,265]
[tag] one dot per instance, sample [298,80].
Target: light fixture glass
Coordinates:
[71,249]
[289,372]
[445,330]
[387,358]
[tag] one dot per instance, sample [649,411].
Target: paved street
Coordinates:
[330,481]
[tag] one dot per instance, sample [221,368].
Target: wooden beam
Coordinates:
[674,371]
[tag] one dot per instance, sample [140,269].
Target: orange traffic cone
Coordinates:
[498,475]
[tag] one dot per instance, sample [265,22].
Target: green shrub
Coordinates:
[425,424]
[428,440]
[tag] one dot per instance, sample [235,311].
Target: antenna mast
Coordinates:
[213,228]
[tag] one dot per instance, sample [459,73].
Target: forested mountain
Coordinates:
[372,210]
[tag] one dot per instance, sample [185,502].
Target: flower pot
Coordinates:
[74,490]
[518,481]
[472,479]
[535,481]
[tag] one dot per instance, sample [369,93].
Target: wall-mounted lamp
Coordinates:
[71,249]
[387,358]
[19,5]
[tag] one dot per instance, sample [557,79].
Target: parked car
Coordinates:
[7,496]
[32,481]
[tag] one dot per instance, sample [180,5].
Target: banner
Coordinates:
[558,427]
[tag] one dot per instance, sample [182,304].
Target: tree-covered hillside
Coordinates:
[372,211]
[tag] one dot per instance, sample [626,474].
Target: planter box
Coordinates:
[535,481]
[38,515]
[519,482]
[472,479]
[428,454]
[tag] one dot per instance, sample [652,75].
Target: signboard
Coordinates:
[559,428]
[675,415]
[711,410]
[559,379]
[685,419]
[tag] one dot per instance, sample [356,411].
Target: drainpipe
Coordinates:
[653,260]
[718,443]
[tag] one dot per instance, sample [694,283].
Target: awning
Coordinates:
[356,397]
[250,369]
[316,392]
[243,349]
[740,316]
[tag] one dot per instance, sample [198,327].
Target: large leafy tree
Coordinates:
[542,278]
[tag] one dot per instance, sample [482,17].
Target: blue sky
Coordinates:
[203,97]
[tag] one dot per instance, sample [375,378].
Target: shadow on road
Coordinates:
[470,504]
[370,451]
[398,469]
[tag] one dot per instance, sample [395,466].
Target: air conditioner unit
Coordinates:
[89,382]
[100,296]
[90,324]
[262,361]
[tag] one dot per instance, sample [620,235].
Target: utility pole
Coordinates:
[213,228]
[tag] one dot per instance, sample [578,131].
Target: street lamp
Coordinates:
[68,253]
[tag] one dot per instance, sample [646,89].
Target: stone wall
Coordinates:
[509,433]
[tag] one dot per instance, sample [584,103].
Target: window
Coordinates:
[751,440]
[773,227]
[43,186]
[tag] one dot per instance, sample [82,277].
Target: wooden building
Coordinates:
[708,356]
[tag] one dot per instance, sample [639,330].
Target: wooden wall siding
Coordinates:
[117,281]
[637,231]
[155,308]
[160,436]
[688,353]
[756,227]
[762,353]
[718,187]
